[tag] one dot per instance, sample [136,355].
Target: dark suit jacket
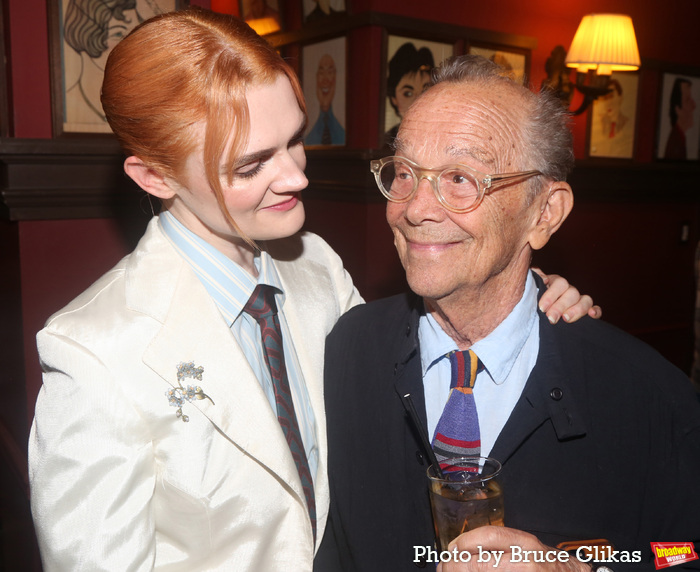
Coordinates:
[603,443]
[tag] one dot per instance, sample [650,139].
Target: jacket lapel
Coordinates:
[308,329]
[161,284]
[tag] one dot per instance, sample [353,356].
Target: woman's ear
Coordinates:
[555,204]
[148,178]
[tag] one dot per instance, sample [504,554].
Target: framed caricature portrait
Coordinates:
[613,119]
[81,38]
[516,62]
[323,79]
[318,10]
[409,62]
[679,118]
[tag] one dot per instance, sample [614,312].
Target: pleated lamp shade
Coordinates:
[606,43]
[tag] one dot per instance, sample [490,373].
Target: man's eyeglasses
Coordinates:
[459,188]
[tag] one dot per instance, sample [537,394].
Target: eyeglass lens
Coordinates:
[458,188]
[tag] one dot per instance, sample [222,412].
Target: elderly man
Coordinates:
[598,436]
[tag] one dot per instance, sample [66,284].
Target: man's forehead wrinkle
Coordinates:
[480,154]
[473,123]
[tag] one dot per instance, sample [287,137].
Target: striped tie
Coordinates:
[263,308]
[457,432]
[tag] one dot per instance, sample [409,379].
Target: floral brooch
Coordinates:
[178,395]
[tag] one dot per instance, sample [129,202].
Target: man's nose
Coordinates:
[424,204]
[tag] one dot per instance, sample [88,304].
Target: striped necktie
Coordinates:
[457,433]
[263,308]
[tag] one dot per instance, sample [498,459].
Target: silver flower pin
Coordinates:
[178,395]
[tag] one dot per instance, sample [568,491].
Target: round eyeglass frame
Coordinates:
[485,184]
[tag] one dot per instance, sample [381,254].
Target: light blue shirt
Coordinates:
[337,133]
[508,353]
[231,286]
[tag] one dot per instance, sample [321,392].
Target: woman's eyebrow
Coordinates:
[263,153]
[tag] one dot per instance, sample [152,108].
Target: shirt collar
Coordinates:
[498,351]
[226,282]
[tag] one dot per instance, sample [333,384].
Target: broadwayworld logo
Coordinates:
[672,553]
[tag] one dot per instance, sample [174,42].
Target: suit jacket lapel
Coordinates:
[407,370]
[193,330]
[405,441]
[308,333]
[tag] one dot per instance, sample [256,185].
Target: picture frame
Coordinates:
[78,52]
[678,134]
[323,77]
[612,119]
[318,11]
[407,64]
[515,60]
[264,16]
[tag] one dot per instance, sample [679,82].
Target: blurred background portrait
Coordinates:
[323,78]
[317,10]
[409,63]
[89,31]
[612,119]
[512,62]
[679,132]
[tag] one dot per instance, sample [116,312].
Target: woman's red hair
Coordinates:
[181,69]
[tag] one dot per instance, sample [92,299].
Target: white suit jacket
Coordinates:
[118,480]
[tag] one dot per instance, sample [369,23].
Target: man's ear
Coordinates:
[148,178]
[555,204]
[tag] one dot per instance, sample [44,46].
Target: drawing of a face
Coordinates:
[411,86]
[117,28]
[325,82]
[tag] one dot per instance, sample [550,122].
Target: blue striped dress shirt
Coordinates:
[230,286]
[508,353]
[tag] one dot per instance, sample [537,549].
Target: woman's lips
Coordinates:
[286,205]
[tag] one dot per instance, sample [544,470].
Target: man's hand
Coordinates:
[500,548]
[562,300]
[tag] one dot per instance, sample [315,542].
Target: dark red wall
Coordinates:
[59,259]
[625,250]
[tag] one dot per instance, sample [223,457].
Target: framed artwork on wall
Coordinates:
[678,137]
[82,33]
[612,119]
[319,10]
[323,76]
[516,61]
[409,62]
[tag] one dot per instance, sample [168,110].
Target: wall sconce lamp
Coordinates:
[603,43]
[264,26]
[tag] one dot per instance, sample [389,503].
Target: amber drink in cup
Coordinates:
[465,496]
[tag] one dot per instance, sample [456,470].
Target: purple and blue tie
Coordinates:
[263,308]
[457,433]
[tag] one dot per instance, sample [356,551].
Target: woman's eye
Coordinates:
[249,170]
